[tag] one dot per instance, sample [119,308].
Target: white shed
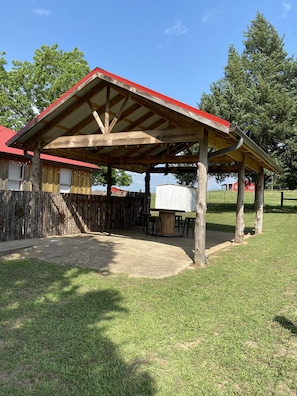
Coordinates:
[176,197]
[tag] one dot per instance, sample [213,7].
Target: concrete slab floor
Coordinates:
[124,251]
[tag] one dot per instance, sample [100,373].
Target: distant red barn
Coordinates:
[248,186]
[118,192]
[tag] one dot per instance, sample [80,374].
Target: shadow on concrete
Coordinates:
[131,252]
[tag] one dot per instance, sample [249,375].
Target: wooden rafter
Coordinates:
[96,115]
[118,115]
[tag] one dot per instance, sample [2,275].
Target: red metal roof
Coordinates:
[6,134]
[134,110]
[139,87]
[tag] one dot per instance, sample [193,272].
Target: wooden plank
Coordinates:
[174,135]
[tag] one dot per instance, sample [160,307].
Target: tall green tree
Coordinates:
[258,91]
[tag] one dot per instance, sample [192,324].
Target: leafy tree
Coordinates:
[28,88]
[258,91]
[4,94]
[118,177]
[186,179]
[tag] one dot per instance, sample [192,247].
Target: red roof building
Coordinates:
[58,174]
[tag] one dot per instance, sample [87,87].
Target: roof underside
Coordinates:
[107,120]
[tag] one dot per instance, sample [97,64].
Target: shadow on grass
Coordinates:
[286,324]
[221,207]
[278,209]
[54,338]
[226,228]
[231,207]
[220,227]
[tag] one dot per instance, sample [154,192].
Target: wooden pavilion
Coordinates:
[107,120]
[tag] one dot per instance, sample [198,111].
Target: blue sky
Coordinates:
[175,47]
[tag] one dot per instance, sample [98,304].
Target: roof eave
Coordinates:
[251,145]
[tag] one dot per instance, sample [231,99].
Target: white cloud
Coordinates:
[207,16]
[210,15]
[286,8]
[177,29]
[42,11]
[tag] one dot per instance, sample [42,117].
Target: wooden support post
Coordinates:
[239,228]
[108,197]
[200,223]
[36,172]
[36,189]
[259,202]
[147,194]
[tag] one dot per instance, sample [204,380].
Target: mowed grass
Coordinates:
[228,329]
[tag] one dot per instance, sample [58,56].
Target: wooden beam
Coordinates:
[127,138]
[118,115]
[200,223]
[106,118]
[155,160]
[97,118]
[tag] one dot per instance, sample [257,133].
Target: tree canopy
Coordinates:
[27,88]
[118,177]
[30,87]
[258,94]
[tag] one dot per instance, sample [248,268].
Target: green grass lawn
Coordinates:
[228,329]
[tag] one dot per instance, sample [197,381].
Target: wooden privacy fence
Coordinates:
[24,214]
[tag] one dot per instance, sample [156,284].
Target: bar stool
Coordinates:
[144,221]
[189,222]
[178,221]
[154,226]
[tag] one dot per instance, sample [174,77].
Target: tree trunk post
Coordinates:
[36,189]
[239,228]
[259,202]
[108,197]
[200,223]
[36,172]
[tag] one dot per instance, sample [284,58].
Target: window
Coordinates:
[65,180]
[15,176]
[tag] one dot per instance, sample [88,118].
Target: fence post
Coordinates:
[282,199]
